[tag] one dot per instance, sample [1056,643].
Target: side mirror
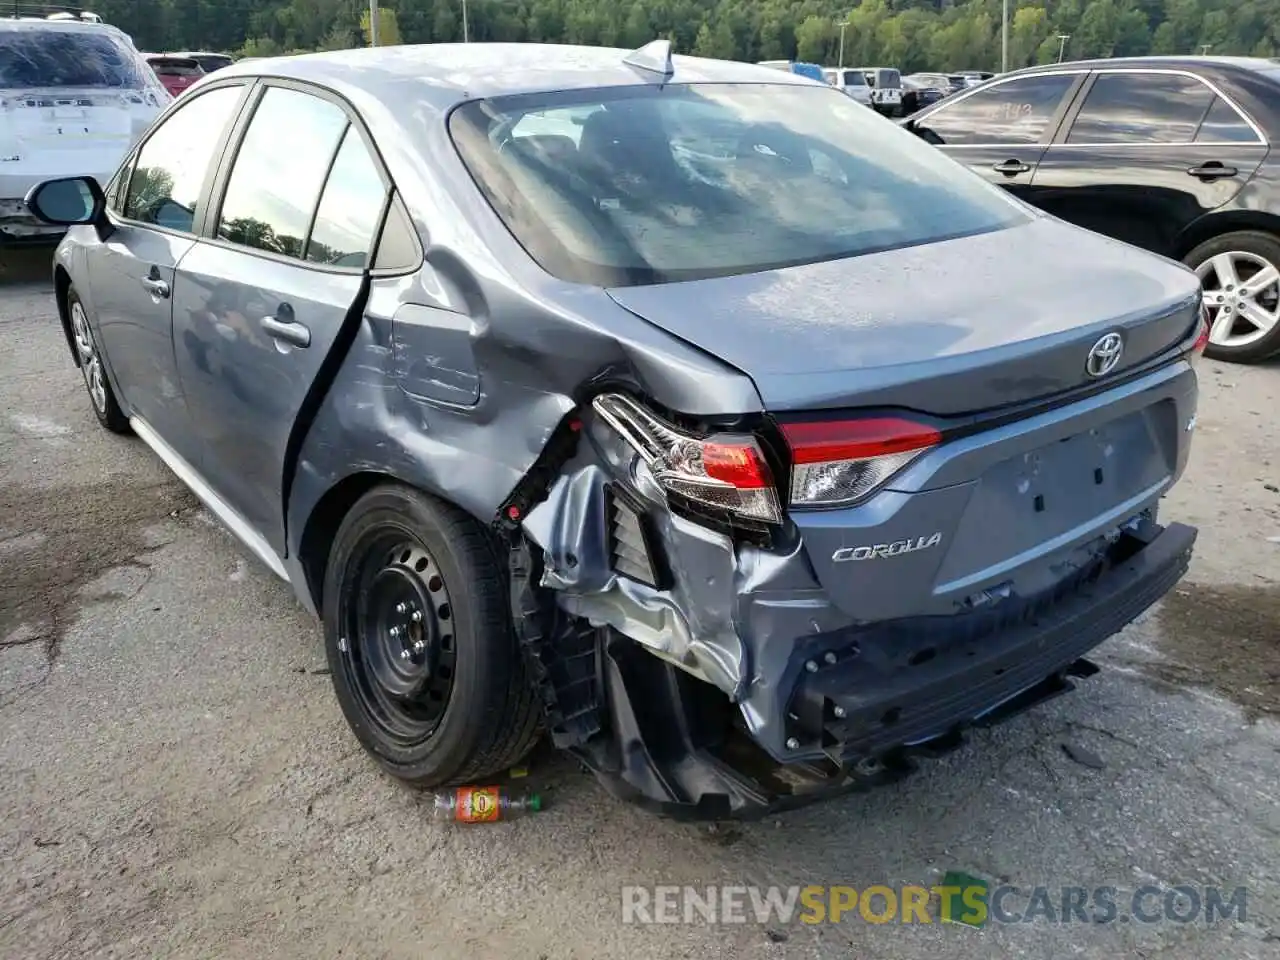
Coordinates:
[67,201]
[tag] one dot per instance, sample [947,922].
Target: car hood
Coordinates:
[951,327]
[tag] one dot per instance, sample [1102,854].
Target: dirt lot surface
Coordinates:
[176,779]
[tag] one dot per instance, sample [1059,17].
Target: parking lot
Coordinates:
[176,779]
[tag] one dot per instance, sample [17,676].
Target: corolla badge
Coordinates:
[882,550]
[1104,355]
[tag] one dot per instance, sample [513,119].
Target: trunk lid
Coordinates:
[946,328]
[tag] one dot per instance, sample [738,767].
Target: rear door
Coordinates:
[1001,130]
[1145,153]
[264,295]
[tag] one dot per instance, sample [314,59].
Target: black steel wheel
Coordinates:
[418,632]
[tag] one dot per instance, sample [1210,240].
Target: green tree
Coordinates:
[388,28]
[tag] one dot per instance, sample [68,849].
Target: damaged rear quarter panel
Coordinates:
[460,372]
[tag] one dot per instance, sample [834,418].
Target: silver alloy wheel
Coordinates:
[90,365]
[1242,292]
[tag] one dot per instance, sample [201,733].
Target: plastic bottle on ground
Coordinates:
[483,805]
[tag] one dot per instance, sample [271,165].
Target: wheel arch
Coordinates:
[61,287]
[323,521]
[1216,224]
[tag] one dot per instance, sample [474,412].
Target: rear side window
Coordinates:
[1141,108]
[1223,124]
[279,171]
[35,58]
[165,186]
[1017,111]
[350,208]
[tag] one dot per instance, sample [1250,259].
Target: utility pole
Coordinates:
[843,25]
[1062,44]
[374,17]
[1004,37]
[466,34]
[1204,49]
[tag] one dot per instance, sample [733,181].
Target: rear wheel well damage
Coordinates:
[323,523]
[61,287]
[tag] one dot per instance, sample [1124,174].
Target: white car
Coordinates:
[849,81]
[74,97]
[886,89]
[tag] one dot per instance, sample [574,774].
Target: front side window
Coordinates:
[1017,111]
[852,78]
[279,170]
[1223,124]
[640,185]
[52,57]
[1141,108]
[169,173]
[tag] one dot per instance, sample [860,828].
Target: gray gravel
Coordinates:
[176,779]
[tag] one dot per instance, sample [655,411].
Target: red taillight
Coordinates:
[839,462]
[824,441]
[1202,339]
[738,465]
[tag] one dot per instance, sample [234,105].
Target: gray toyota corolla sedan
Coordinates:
[684,410]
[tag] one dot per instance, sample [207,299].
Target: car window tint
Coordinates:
[1141,108]
[279,170]
[1223,124]
[350,206]
[1017,111]
[170,171]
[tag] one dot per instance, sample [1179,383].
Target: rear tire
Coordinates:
[1244,316]
[101,397]
[418,632]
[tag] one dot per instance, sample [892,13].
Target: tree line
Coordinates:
[909,34]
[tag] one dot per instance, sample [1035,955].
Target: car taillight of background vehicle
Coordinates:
[726,471]
[840,462]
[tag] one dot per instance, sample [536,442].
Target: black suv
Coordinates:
[1168,153]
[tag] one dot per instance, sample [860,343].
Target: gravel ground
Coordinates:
[176,779]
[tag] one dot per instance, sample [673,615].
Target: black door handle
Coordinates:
[290,331]
[1213,170]
[1010,168]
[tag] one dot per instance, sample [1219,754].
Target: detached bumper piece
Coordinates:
[862,704]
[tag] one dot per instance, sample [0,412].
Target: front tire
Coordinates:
[101,396]
[1240,275]
[420,642]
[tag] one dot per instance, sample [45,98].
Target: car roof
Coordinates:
[1165,62]
[78,26]
[454,72]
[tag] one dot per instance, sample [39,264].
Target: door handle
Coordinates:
[155,286]
[289,331]
[1213,170]
[1010,168]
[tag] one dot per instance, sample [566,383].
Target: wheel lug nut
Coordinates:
[840,712]
[811,666]
[419,647]
[417,616]
[402,607]
[829,656]
[793,743]
[404,654]
[394,631]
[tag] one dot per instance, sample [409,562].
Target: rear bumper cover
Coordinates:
[861,703]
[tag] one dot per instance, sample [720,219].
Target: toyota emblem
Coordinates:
[1104,355]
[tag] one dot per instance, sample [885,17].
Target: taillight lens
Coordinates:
[1202,339]
[838,462]
[724,471]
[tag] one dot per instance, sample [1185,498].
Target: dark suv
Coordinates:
[1168,153]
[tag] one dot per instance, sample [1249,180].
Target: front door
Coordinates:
[1001,130]
[1146,154]
[262,300]
[133,272]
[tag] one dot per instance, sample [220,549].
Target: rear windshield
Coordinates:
[854,78]
[176,68]
[647,184]
[67,58]
[889,78]
[212,61]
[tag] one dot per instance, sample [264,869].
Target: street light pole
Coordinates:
[843,25]
[1004,37]
[466,33]
[1204,49]
[1062,44]
[373,23]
